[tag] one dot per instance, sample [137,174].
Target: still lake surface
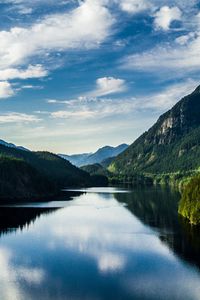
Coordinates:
[106,243]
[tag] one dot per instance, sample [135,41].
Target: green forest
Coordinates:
[26,174]
[189,206]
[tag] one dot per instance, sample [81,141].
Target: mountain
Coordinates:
[95,158]
[171,145]
[76,159]
[19,180]
[106,152]
[2,142]
[26,174]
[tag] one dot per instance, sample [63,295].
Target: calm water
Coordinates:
[102,244]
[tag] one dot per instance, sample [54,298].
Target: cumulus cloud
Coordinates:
[6,90]
[36,71]
[108,85]
[134,6]
[175,59]
[104,86]
[165,16]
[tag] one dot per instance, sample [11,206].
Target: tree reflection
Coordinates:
[158,208]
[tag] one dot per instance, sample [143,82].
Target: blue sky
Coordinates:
[78,75]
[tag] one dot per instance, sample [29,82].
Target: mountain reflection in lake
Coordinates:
[100,245]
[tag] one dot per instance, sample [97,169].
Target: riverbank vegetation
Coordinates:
[189,206]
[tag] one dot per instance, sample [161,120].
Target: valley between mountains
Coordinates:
[168,153]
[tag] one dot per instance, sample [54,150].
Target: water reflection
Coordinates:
[158,208]
[94,248]
[12,218]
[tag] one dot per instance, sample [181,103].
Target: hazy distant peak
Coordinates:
[97,157]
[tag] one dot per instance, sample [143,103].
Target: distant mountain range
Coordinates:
[100,156]
[12,145]
[172,145]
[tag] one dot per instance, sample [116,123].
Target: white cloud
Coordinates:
[134,6]
[185,39]
[123,237]
[24,1]
[36,71]
[6,90]
[25,10]
[13,277]
[102,108]
[35,87]
[182,4]
[165,16]
[177,59]
[107,86]
[84,27]
[151,6]
[169,96]
[53,101]
[33,276]
[94,109]
[109,262]
[14,117]
[181,57]
[104,86]
[85,114]
[28,6]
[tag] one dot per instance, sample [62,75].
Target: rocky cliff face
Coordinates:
[182,118]
[175,135]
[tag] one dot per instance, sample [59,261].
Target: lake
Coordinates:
[107,243]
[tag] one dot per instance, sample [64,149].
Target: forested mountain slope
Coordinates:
[171,145]
[33,174]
